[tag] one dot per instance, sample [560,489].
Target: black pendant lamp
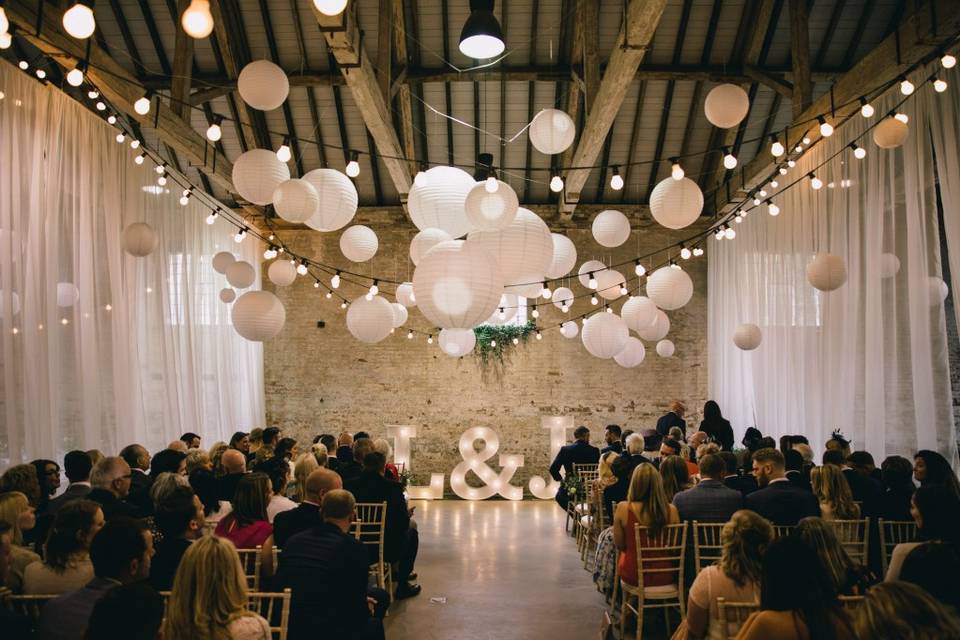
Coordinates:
[481,37]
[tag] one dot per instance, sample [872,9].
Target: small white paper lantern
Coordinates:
[676,204]
[67,294]
[296,200]
[639,312]
[604,335]
[439,201]
[282,273]
[656,330]
[609,283]
[371,320]
[523,250]
[14,303]
[258,315]
[241,274]
[358,243]
[889,265]
[491,211]
[457,342]
[937,291]
[227,295]
[509,303]
[726,105]
[399,314]
[665,349]
[747,336]
[552,131]
[263,85]
[257,174]
[530,290]
[222,260]
[457,285]
[139,239]
[337,196]
[569,329]
[611,228]
[564,256]
[562,296]
[670,288]
[426,240]
[826,272]
[590,266]
[890,133]
[632,354]
[405,295]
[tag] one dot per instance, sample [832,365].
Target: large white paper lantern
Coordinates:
[588,267]
[669,287]
[889,265]
[604,335]
[552,131]
[665,349]
[67,294]
[747,336]
[296,200]
[726,105]
[139,239]
[611,228]
[489,211]
[439,200]
[632,354]
[257,174]
[826,272]
[523,250]
[564,256]
[241,274]
[405,295]
[656,330]
[426,240]
[457,342]
[337,196]
[282,273]
[258,315]
[609,283]
[562,296]
[370,320]
[227,295]
[937,291]
[676,204]
[457,285]
[506,310]
[222,260]
[569,329]
[890,133]
[358,243]
[529,290]
[638,312]
[400,314]
[14,303]
[263,85]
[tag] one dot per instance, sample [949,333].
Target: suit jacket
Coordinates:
[578,452]
[896,503]
[140,484]
[289,523]
[720,431]
[372,487]
[709,501]
[783,503]
[349,470]
[166,561]
[65,617]
[112,506]
[72,492]
[227,486]
[867,491]
[345,454]
[616,447]
[670,420]
[744,484]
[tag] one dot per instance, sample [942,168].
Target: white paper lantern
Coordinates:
[400,314]
[457,342]
[937,291]
[241,274]
[611,228]
[222,260]
[523,250]
[590,266]
[562,296]
[665,349]
[337,196]
[569,329]
[747,336]
[14,303]
[227,295]
[426,240]
[669,287]
[257,174]
[639,312]
[604,335]
[552,131]
[370,320]
[457,285]
[282,273]
[67,294]
[439,200]
[890,133]
[889,265]
[491,211]
[296,201]
[609,283]
[509,303]
[564,256]
[632,354]
[826,272]
[656,330]
[726,105]
[263,85]
[676,204]
[258,315]
[530,291]
[358,243]
[139,239]
[405,295]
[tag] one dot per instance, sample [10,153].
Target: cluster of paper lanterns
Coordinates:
[256,315]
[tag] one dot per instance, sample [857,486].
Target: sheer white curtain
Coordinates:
[871,357]
[99,349]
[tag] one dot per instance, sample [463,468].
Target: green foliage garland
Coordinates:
[503,336]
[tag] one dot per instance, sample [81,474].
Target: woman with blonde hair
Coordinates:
[848,577]
[904,611]
[676,476]
[647,506]
[16,511]
[209,596]
[305,465]
[833,493]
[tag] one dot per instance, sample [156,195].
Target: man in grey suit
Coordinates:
[710,500]
[77,466]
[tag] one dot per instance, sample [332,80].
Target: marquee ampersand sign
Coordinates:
[475,461]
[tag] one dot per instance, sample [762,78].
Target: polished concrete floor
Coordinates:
[507,571]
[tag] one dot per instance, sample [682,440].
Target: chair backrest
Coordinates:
[782,530]
[663,553]
[27,606]
[580,469]
[733,614]
[850,603]
[707,543]
[371,525]
[251,560]
[274,608]
[854,536]
[892,533]
[599,513]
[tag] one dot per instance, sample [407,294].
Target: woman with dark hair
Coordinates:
[896,477]
[286,449]
[716,426]
[676,476]
[936,510]
[48,476]
[247,526]
[930,468]
[797,597]
[241,442]
[66,565]
[168,461]
[751,439]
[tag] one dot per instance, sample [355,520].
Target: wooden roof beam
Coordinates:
[800,54]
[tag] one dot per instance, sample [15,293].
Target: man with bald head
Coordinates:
[234,467]
[307,513]
[110,480]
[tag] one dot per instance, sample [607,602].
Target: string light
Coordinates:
[516,341]
[316,284]
[112,119]
[139,158]
[676,171]
[214,131]
[774,184]
[212,217]
[592,281]
[24,65]
[783,171]
[430,339]
[638,268]
[335,280]
[142,105]
[858,152]
[284,154]
[902,117]
[270,253]
[593,300]
[729,160]
[101,106]
[939,85]
[697,252]
[539,335]
[353,167]
[806,140]
[93,94]
[545,292]
[556,184]
[776,147]
[719,233]
[75,77]
[866,109]
[623,289]
[773,209]
[120,138]
[686,253]
[906,87]
[826,129]
[374,289]
[815,182]
[737,218]
[240,235]
[948,61]
[78,20]
[564,308]
[197,21]
[410,335]
[162,180]
[730,233]
[134,144]
[491,185]
[791,163]
[609,309]
[343,305]
[302,267]
[185,198]
[536,312]
[616,180]
[328,295]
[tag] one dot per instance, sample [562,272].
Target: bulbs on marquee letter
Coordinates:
[475,461]
[558,426]
[402,434]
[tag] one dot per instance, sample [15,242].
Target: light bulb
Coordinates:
[762,193]
[623,290]
[409,335]
[353,167]
[142,106]
[491,185]
[212,218]
[516,341]
[41,74]
[536,312]
[111,119]
[791,163]
[867,110]
[556,184]
[783,171]
[698,252]
[608,309]
[316,284]
[75,77]
[328,295]
[806,140]
[777,148]
[268,254]
[737,219]
[815,182]
[330,7]
[420,179]
[906,87]
[302,269]
[948,61]
[93,94]
[902,117]
[592,281]
[729,161]
[101,106]
[335,280]
[616,180]
[939,85]
[564,308]
[539,336]
[774,184]
[429,339]
[24,65]
[593,300]
[545,292]
[184,200]
[773,210]
[197,21]
[859,152]
[139,158]
[240,236]
[756,201]
[134,143]
[343,305]
[730,233]
[676,171]
[162,181]
[159,169]
[686,253]
[214,132]
[826,129]
[638,269]
[374,289]
[120,138]
[284,155]
[79,22]
[719,234]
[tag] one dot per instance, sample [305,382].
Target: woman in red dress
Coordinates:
[647,506]
[246,526]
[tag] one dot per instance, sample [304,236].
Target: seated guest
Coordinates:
[896,479]
[578,452]
[671,447]
[777,500]
[732,478]
[838,442]
[751,439]
[716,426]
[286,449]
[931,468]
[131,611]
[190,439]
[646,505]
[806,453]
[121,554]
[139,460]
[240,441]
[77,467]
[736,577]
[17,513]
[234,468]
[307,513]
[95,456]
[675,475]
[246,526]
[271,436]
[277,469]
[48,477]
[651,445]
[673,418]
[611,436]
[180,519]
[934,567]
[169,461]
[694,442]
[321,454]
[352,469]
[797,598]
[163,486]
[793,463]
[676,433]
[15,626]
[862,463]
[66,565]
[22,478]
[865,488]
[178,445]
[848,577]
[305,465]
[330,442]
[209,596]
[381,445]
[207,488]
[197,460]
[903,611]
[833,493]
[710,500]
[936,510]
[256,441]
[345,447]
[623,468]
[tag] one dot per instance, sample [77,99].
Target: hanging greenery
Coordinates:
[494,340]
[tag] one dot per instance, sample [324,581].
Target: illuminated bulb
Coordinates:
[75,77]
[798,148]
[184,200]
[806,139]
[609,310]
[539,336]
[134,144]
[353,167]
[112,119]
[777,148]
[24,65]
[139,158]
[762,193]
[429,339]
[791,163]
[536,312]
[546,293]
[729,161]
[120,138]
[593,300]
[556,184]
[676,171]
[212,218]
[638,269]
[159,169]
[939,85]
[737,219]
[719,234]
[330,7]
[284,154]
[316,284]
[491,185]
[623,290]
[592,281]
[859,152]
[409,335]
[302,268]
[866,109]
[214,132]
[93,94]
[516,341]
[142,106]
[79,22]
[64,321]
[101,106]
[616,180]
[335,280]
[162,181]
[240,236]
[197,21]
[343,305]
[902,117]
[774,184]
[756,201]
[906,87]
[420,179]
[783,171]
[948,61]
[328,295]
[686,253]
[815,182]
[268,254]
[773,210]
[564,308]
[697,252]
[374,289]
[493,343]
[826,129]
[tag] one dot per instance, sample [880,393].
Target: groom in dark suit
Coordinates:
[779,500]
[579,452]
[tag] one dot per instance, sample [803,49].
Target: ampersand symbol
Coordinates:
[475,461]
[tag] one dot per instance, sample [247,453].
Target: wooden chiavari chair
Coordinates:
[707,543]
[370,528]
[733,614]
[665,553]
[854,537]
[27,606]
[892,533]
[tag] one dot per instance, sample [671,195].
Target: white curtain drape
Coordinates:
[100,349]
[869,358]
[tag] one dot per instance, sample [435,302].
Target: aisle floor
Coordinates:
[507,571]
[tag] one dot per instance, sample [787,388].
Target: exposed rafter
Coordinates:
[800,54]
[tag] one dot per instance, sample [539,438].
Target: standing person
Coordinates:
[716,426]
[710,500]
[578,452]
[612,435]
[111,485]
[66,565]
[778,500]
[673,418]
[931,468]
[76,466]
[17,512]
[180,519]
